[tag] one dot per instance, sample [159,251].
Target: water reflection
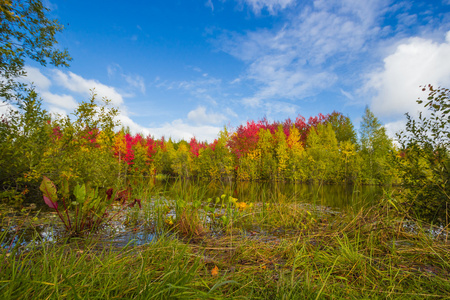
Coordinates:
[335,196]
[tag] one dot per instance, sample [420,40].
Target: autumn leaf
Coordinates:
[215,271]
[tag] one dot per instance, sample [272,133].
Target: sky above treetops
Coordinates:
[184,68]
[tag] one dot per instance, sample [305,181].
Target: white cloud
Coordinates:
[78,84]
[59,104]
[299,60]
[178,130]
[415,62]
[209,4]
[126,121]
[231,112]
[271,5]
[66,102]
[275,107]
[5,108]
[135,81]
[112,69]
[199,116]
[347,94]
[392,128]
[34,76]
[57,111]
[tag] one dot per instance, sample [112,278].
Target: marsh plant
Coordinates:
[85,210]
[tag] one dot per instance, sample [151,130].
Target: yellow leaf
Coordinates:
[215,271]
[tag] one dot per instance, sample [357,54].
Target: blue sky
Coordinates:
[183,68]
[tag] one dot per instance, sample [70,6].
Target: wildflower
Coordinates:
[241,205]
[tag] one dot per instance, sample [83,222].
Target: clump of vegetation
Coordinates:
[425,158]
[90,210]
[372,253]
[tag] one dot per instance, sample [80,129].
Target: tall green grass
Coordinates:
[278,249]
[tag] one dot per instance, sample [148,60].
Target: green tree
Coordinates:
[296,162]
[323,153]
[26,33]
[343,127]
[81,150]
[350,161]
[425,161]
[216,161]
[282,152]
[182,161]
[266,147]
[24,137]
[376,148]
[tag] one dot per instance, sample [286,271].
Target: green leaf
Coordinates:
[49,189]
[65,188]
[80,193]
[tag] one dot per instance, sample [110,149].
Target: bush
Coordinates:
[425,161]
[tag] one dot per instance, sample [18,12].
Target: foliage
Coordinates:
[368,254]
[376,149]
[425,157]
[26,32]
[24,137]
[322,154]
[81,150]
[33,145]
[90,209]
[85,148]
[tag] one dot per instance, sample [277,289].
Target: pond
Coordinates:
[38,223]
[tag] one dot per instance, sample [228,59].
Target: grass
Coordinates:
[279,250]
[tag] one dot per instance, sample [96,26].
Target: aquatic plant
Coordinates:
[90,210]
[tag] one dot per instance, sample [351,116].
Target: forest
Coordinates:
[87,147]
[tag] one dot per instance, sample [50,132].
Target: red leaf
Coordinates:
[50,203]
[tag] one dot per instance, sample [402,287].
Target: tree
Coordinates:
[342,127]
[296,170]
[24,137]
[375,150]
[323,153]
[282,153]
[266,147]
[26,33]
[425,159]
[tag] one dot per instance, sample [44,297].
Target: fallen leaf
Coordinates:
[215,271]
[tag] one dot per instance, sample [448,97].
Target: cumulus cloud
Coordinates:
[78,84]
[35,77]
[415,61]
[66,102]
[5,109]
[178,129]
[200,116]
[58,88]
